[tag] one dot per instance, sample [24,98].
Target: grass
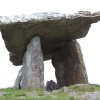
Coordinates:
[85,88]
[39,94]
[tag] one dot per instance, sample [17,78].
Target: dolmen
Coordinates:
[33,39]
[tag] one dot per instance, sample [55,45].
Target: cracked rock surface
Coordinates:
[54,30]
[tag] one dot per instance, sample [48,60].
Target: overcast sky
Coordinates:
[90,44]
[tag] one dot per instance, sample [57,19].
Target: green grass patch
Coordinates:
[85,88]
[38,94]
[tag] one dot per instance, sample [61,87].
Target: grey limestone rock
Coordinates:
[53,28]
[69,65]
[18,79]
[32,73]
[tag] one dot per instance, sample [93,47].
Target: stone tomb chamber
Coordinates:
[33,39]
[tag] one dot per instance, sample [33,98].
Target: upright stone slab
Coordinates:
[32,73]
[18,79]
[69,65]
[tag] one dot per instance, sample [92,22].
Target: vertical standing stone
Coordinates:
[32,73]
[69,65]
[18,79]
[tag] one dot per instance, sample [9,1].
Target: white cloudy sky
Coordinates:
[90,44]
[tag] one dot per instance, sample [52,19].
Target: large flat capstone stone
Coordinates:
[54,30]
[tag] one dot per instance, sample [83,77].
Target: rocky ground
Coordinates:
[74,92]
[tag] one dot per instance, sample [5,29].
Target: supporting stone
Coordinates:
[32,73]
[18,79]
[69,65]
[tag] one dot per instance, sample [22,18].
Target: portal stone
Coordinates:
[69,65]
[32,73]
